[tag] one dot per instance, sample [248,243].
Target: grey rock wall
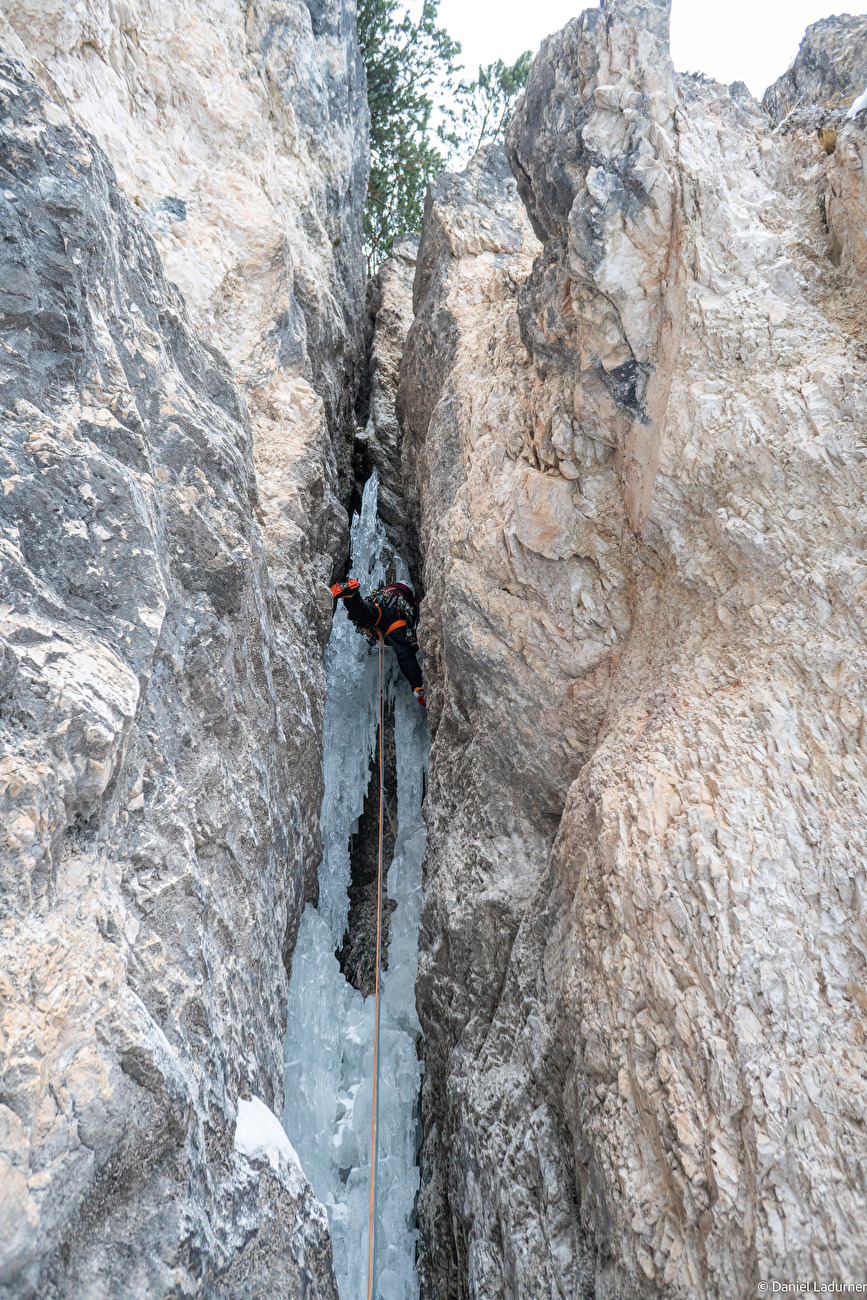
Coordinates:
[379,445]
[168,514]
[594,152]
[642,968]
[240,134]
[829,71]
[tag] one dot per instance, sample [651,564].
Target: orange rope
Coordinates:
[376,1002]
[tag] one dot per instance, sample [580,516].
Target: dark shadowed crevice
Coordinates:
[357,956]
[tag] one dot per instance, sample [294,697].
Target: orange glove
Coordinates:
[344,588]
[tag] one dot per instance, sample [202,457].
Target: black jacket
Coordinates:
[379,613]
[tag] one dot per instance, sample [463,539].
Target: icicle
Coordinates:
[329,1037]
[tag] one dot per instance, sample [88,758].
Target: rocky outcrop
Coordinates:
[641,978]
[844,196]
[164,533]
[830,68]
[524,594]
[378,446]
[594,152]
[240,134]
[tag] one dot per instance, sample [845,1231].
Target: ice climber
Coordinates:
[391,613]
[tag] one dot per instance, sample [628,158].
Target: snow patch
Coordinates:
[259,1135]
[860,103]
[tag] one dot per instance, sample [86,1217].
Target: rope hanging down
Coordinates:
[374,1136]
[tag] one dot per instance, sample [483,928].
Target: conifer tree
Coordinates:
[486,104]
[406,59]
[412,72]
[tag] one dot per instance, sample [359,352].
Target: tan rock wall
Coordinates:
[646,1050]
[845,198]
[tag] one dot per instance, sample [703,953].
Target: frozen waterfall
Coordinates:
[329,1038]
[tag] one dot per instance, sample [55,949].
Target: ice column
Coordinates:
[329,1037]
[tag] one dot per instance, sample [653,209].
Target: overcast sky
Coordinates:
[733,40]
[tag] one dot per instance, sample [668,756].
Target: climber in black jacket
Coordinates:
[390,613]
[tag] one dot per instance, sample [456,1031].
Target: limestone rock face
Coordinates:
[829,71]
[160,675]
[379,445]
[594,153]
[845,197]
[642,971]
[240,133]
[525,606]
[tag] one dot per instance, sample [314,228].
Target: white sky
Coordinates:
[736,40]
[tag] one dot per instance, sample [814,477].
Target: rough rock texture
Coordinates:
[239,131]
[844,197]
[378,446]
[518,639]
[829,71]
[161,685]
[594,153]
[645,1049]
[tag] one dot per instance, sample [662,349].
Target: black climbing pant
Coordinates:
[406,656]
[368,614]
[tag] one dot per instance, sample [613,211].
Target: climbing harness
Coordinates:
[374,1135]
